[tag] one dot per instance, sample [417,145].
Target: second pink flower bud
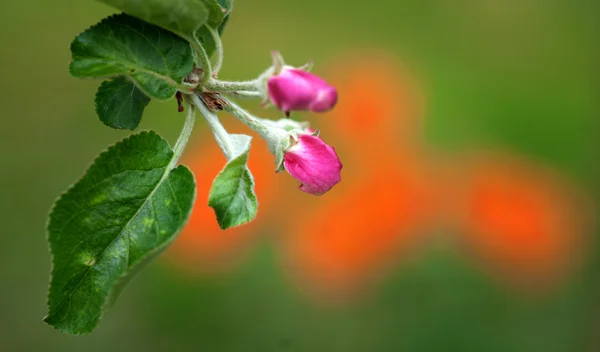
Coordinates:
[315,164]
[296,89]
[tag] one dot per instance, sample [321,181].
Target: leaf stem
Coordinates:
[272,134]
[184,136]
[204,59]
[183,87]
[229,86]
[244,94]
[218,49]
[246,118]
[222,137]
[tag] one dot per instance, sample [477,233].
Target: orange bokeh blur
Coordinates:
[361,230]
[348,241]
[517,218]
[379,99]
[521,219]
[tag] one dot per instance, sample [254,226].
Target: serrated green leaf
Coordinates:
[155,59]
[120,104]
[232,192]
[127,208]
[182,17]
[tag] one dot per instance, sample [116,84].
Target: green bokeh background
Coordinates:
[518,75]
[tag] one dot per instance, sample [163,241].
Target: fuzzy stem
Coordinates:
[245,94]
[272,134]
[225,86]
[218,50]
[221,136]
[184,136]
[204,59]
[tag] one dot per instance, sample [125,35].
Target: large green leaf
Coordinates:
[183,17]
[120,104]
[155,59]
[232,192]
[127,208]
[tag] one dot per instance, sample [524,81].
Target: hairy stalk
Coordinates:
[218,50]
[272,134]
[184,136]
[244,94]
[248,119]
[226,86]
[222,137]
[204,59]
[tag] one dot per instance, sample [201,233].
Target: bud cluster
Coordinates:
[298,149]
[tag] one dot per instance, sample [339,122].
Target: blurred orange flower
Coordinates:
[351,239]
[522,220]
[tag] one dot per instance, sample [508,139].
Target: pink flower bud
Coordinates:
[296,89]
[313,163]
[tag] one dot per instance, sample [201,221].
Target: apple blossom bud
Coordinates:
[296,89]
[313,163]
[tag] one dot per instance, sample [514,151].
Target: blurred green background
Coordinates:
[515,74]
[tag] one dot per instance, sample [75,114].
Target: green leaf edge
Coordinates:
[171,81]
[134,268]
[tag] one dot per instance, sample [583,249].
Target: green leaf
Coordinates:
[232,192]
[217,11]
[120,104]
[205,38]
[127,208]
[182,17]
[179,16]
[155,59]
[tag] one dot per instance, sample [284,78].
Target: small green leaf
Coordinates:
[120,104]
[182,17]
[232,192]
[126,209]
[155,59]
